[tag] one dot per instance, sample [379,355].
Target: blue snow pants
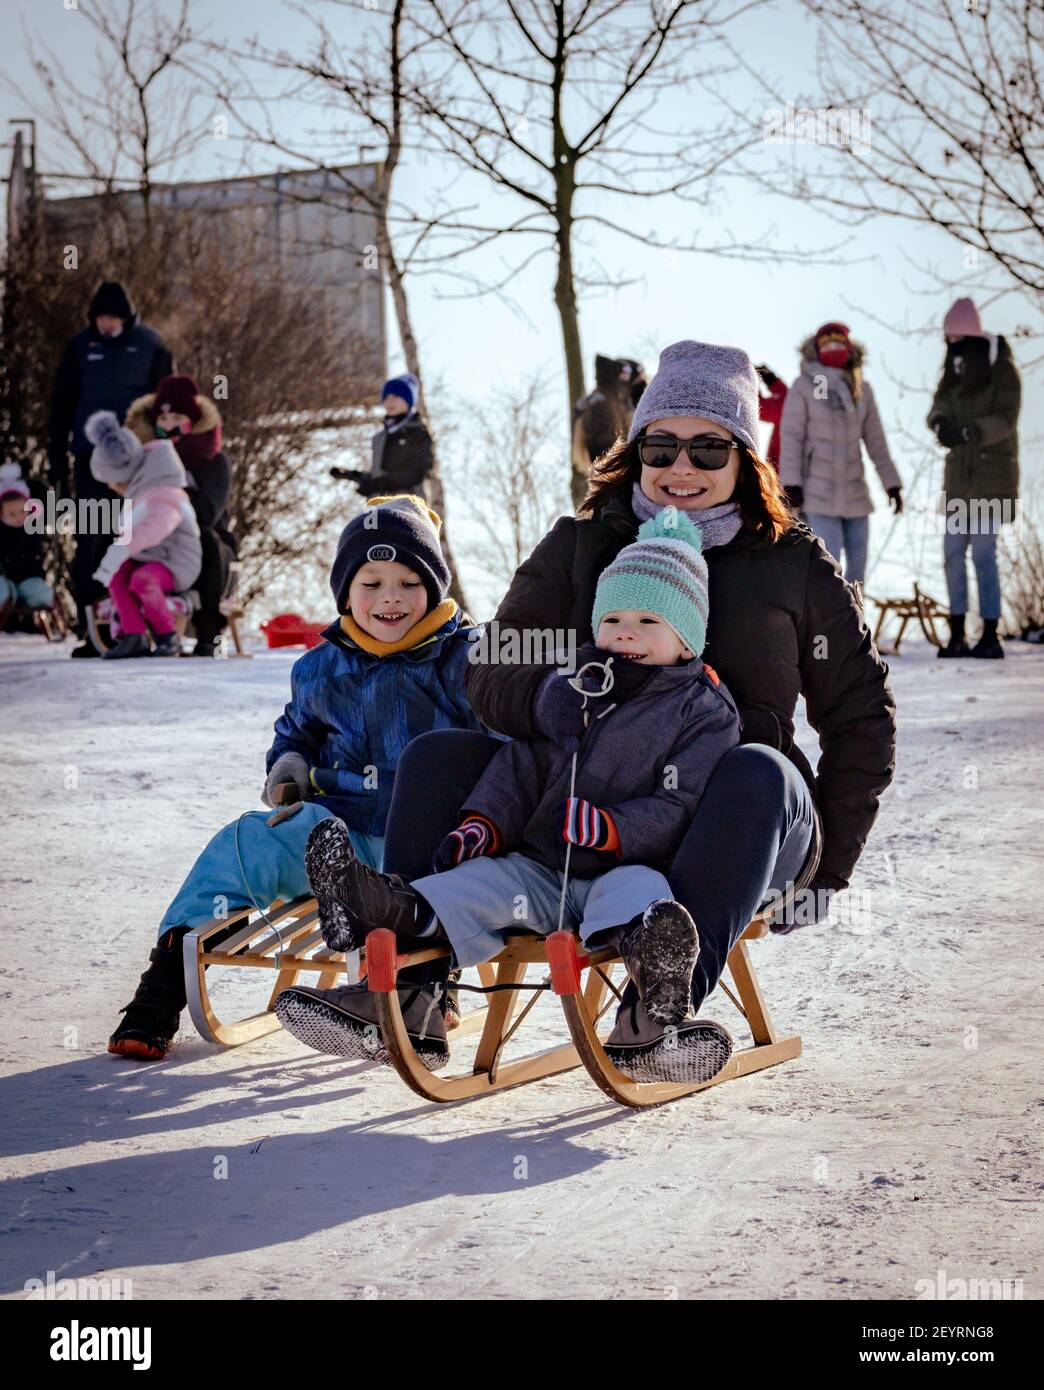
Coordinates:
[249,864]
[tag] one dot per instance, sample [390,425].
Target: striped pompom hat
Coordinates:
[662,572]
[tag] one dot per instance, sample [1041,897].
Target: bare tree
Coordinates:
[955,95]
[137,118]
[514,487]
[553,100]
[361,81]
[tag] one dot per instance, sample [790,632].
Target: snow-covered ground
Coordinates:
[905,1140]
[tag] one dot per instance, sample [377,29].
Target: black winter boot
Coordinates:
[150,1020]
[354,899]
[956,646]
[167,644]
[343,1021]
[660,948]
[134,644]
[989,644]
[85,650]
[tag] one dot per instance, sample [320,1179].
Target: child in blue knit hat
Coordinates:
[390,668]
[654,739]
[402,453]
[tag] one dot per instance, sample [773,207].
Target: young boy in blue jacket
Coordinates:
[390,668]
[643,761]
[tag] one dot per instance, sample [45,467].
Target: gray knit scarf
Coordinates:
[717,524]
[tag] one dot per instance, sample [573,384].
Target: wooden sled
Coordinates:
[584,1006]
[926,610]
[285,939]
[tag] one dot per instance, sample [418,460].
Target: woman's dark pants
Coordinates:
[749,839]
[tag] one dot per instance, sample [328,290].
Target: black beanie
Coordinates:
[111,298]
[397,528]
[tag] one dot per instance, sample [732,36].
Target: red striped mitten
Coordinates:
[471,839]
[587,826]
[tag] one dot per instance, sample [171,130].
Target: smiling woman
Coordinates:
[782,623]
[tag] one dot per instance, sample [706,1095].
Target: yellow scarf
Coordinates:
[420,632]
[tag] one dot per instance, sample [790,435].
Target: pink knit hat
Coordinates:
[962,320]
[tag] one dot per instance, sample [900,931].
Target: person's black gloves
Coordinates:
[347,475]
[811,905]
[895,497]
[796,497]
[767,375]
[947,433]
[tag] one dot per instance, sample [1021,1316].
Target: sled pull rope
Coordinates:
[250,892]
[577,682]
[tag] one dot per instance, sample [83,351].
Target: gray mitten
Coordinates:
[288,767]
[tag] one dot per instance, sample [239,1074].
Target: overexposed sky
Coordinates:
[470,345]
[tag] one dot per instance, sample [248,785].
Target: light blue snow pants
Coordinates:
[249,863]
[480,901]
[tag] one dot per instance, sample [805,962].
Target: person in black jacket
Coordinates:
[402,451]
[783,624]
[604,415]
[177,411]
[104,367]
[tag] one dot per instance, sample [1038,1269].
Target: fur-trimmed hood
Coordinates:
[194,449]
[808,351]
[139,417]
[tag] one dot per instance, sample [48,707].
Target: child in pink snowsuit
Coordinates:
[159,550]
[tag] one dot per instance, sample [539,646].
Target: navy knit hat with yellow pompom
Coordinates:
[662,572]
[401,528]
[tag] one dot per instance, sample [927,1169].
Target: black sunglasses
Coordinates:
[705,451]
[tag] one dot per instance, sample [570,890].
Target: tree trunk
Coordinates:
[396,282]
[565,302]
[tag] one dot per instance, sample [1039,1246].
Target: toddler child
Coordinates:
[21,551]
[160,552]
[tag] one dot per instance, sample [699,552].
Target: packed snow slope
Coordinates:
[901,1147]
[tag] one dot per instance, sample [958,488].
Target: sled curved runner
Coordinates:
[583,1005]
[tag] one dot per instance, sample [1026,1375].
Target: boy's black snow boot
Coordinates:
[989,644]
[352,898]
[343,1021]
[150,1020]
[956,646]
[660,948]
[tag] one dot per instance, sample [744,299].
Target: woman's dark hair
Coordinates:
[763,505]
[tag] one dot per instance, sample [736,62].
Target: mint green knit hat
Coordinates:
[662,572]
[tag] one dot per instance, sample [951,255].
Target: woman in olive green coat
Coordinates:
[974,415]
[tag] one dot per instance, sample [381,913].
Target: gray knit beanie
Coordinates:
[703,379]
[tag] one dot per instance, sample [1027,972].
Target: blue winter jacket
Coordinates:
[351,715]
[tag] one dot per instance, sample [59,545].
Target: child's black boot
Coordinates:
[150,1020]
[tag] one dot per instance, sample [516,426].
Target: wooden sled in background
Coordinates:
[927,611]
[289,943]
